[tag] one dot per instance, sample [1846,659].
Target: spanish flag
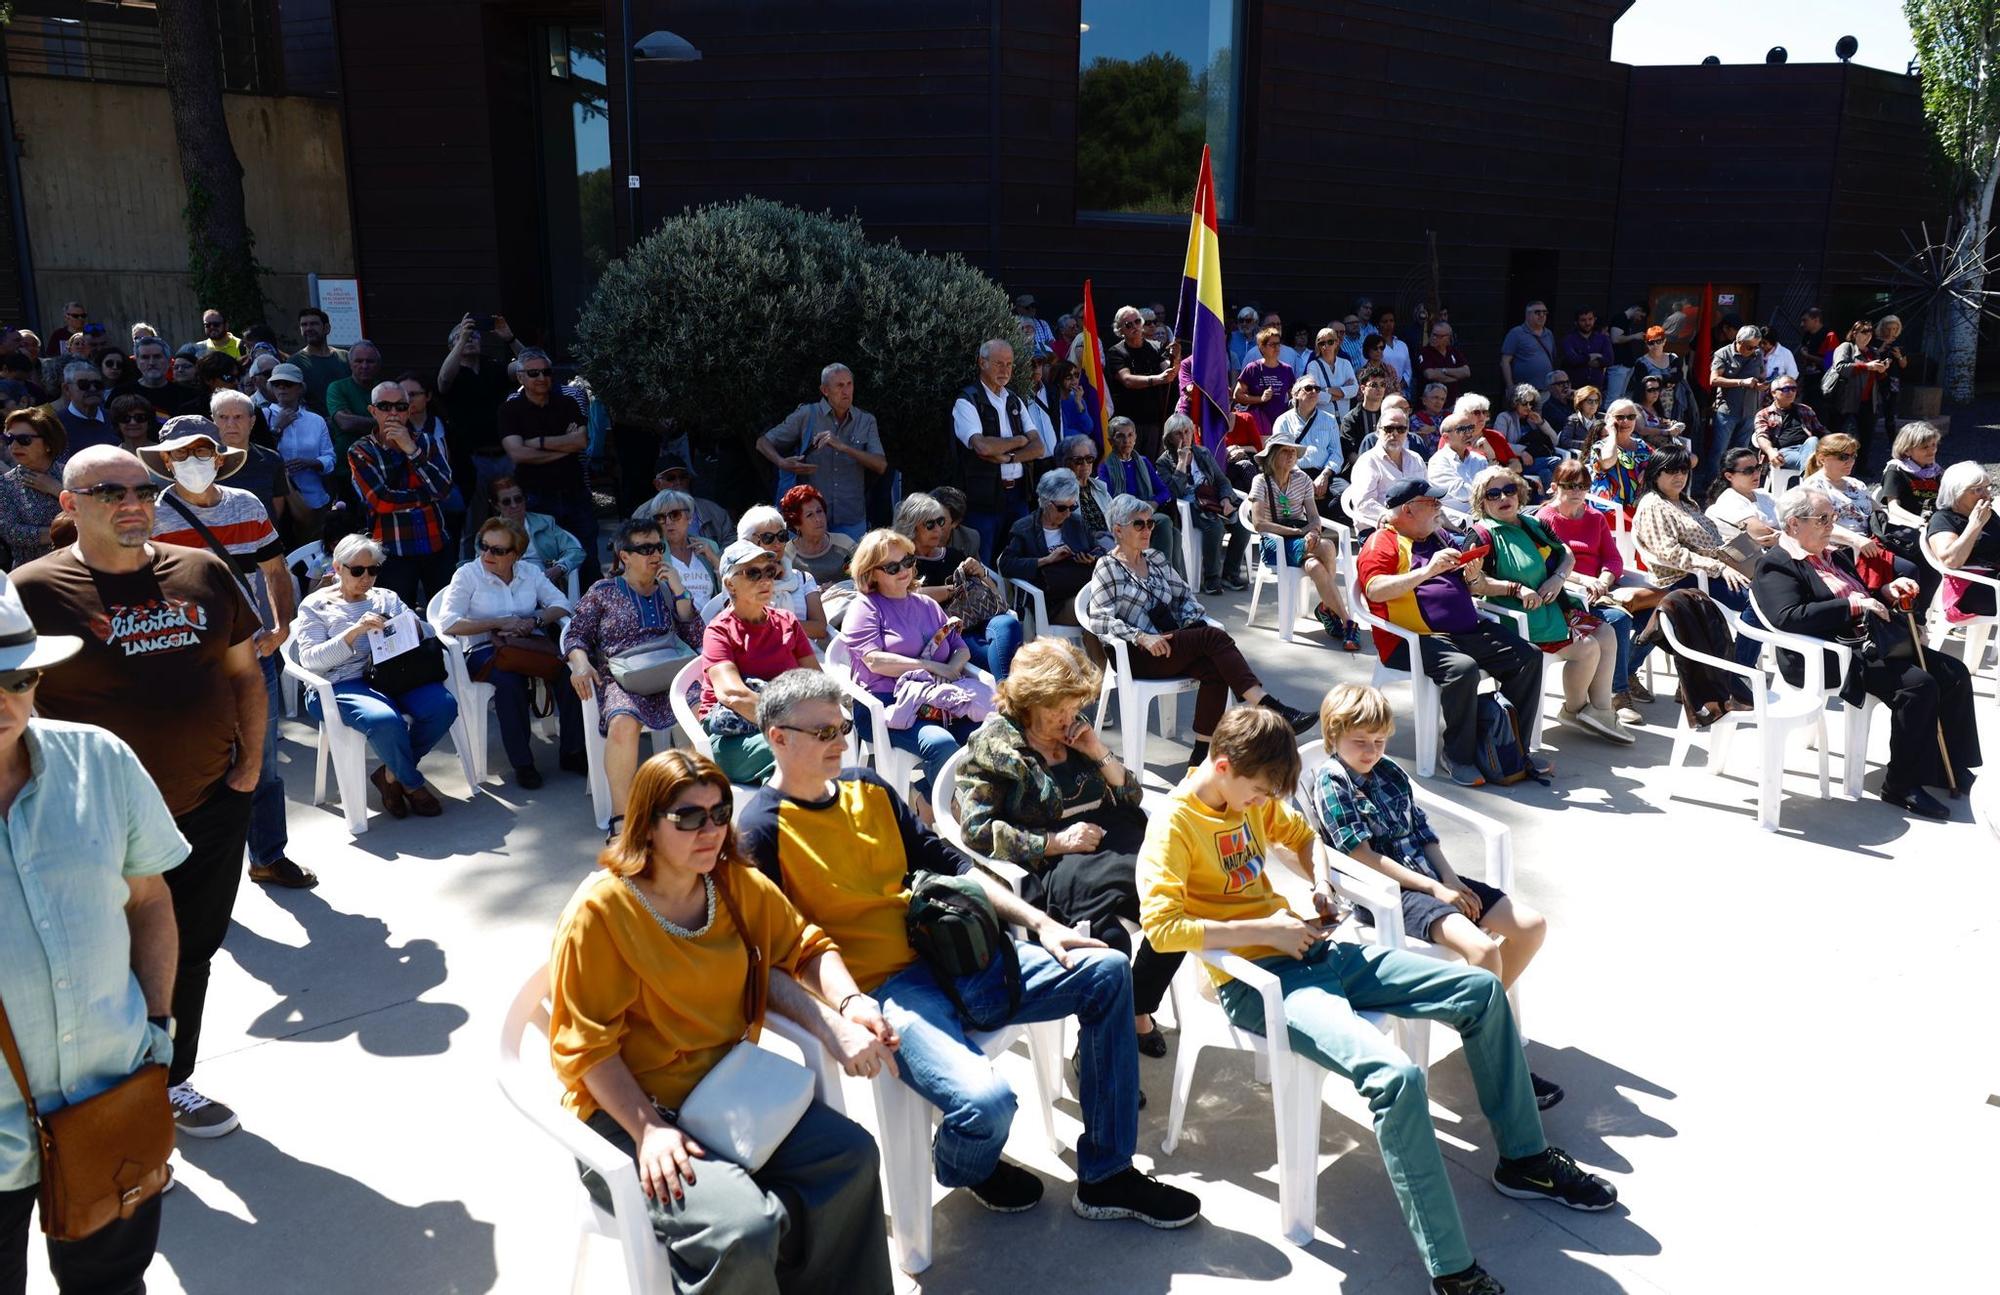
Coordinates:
[1200,324]
[1092,365]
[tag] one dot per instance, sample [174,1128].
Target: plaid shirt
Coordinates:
[1376,809]
[1771,418]
[1119,603]
[402,492]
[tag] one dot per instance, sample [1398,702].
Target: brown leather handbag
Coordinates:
[533,656]
[104,1157]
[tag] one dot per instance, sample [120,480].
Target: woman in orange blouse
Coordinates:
[647,993]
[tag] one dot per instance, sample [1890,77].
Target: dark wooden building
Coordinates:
[1356,137]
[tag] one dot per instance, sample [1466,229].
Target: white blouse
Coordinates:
[477,594]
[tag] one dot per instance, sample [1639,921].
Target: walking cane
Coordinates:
[1923,663]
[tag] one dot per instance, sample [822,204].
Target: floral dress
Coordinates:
[1619,483]
[25,514]
[611,618]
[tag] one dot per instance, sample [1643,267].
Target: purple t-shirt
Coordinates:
[905,626]
[1258,376]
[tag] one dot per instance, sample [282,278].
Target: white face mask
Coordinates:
[195,474]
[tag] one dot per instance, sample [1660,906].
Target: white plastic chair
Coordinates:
[593,754]
[1135,696]
[1425,705]
[1037,606]
[1978,633]
[474,699]
[531,1086]
[314,558]
[1776,715]
[898,768]
[1293,583]
[1856,719]
[1190,543]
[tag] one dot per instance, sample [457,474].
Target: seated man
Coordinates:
[1787,431]
[1411,579]
[844,848]
[1461,456]
[1204,883]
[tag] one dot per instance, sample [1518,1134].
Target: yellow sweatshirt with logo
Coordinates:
[1201,864]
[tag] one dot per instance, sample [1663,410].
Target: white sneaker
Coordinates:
[199,1117]
[1599,723]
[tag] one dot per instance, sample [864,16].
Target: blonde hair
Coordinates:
[658,783]
[1831,444]
[1045,674]
[1489,477]
[1584,393]
[1353,707]
[875,548]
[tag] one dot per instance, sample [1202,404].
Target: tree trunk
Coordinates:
[221,247]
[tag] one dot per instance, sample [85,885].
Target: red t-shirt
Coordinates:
[763,650]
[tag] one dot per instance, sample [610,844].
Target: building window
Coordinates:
[1156,79]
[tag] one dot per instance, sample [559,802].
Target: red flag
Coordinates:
[1092,365]
[1704,339]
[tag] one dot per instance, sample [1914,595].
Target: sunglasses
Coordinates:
[898,566]
[1086,460]
[90,384]
[1782,390]
[771,537]
[1506,491]
[1308,387]
[536,373]
[365,572]
[16,684]
[645,550]
[1064,508]
[508,501]
[672,513]
[1623,418]
[112,492]
[496,550]
[136,416]
[22,439]
[398,406]
[693,818]
[825,732]
[1141,523]
[935,523]
[761,574]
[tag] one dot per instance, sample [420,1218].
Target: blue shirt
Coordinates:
[88,818]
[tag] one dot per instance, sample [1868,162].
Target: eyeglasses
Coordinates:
[508,501]
[1819,519]
[1308,386]
[1505,491]
[824,733]
[536,373]
[771,537]
[22,440]
[898,566]
[112,492]
[1063,508]
[397,406]
[693,818]
[1142,523]
[496,550]
[202,451]
[365,573]
[90,384]
[644,550]
[16,684]
[761,574]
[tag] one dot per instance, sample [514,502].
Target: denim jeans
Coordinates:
[950,1072]
[1795,456]
[1726,431]
[994,649]
[399,746]
[510,707]
[1324,990]
[1620,622]
[267,804]
[993,526]
[932,744]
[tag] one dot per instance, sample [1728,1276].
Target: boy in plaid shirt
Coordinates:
[1363,807]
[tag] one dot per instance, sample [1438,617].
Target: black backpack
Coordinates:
[953,927]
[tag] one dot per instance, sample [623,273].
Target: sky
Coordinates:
[1740,31]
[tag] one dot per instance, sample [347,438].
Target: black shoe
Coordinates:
[1211,588]
[283,872]
[528,777]
[1302,721]
[573,762]
[1919,802]
[1554,1176]
[1153,1043]
[1546,1093]
[1235,584]
[1009,1189]
[1473,1281]
[1129,1194]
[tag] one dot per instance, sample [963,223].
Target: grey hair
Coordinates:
[354,545]
[1456,421]
[916,509]
[361,342]
[668,501]
[1120,423]
[1796,504]
[1915,436]
[1177,425]
[533,353]
[76,369]
[762,517]
[228,398]
[1065,321]
[1071,444]
[1472,402]
[376,391]
[1124,508]
[1304,379]
[1057,486]
[1435,386]
[986,347]
[153,340]
[1125,313]
[264,363]
[827,374]
[1959,478]
[782,697]
[1527,391]
[1619,405]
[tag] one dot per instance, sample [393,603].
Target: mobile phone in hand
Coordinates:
[1474,553]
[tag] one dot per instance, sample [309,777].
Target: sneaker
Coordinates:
[1129,1194]
[1621,705]
[1594,722]
[527,777]
[1302,721]
[197,1116]
[1350,636]
[1614,728]
[1235,584]
[1638,691]
[284,873]
[1211,588]
[1540,767]
[1546,1093]
[1332,624]
[1473,1281]
[1467,775]
[1555,1176]
[1009,1189]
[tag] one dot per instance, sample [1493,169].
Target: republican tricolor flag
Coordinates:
[1200,323]
[1092,364]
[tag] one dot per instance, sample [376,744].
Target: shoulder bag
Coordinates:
[750,1101]
[103,1157]
[649,667]
[533,655]
[954,928]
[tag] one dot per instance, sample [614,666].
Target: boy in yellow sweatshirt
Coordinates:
[1203,885]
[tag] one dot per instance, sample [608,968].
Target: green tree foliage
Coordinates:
[721,319]
[1140,125]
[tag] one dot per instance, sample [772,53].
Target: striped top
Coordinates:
[239,523]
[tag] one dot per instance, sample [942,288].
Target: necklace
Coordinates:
[707,884]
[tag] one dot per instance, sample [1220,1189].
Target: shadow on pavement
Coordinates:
[436,1247]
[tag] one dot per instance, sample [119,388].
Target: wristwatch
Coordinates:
[166,1023]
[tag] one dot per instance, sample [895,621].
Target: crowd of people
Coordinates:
[179,536]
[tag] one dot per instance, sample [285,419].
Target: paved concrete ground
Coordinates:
[1778,1046]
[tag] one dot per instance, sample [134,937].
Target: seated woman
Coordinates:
[815,546]
[1430,412]
[1960,534]
[330,629]
[891,632]
[959,584]
[1618,462]
[641,605]
[1382,467]
[1597,567]
[1528,557]
[1051,548]
[1039,789]
[1529,435]
[1679,544]
[755,638]
[1738,503]
[498,593]
[1193,474]
[691,557]
[1582,428]
[1362,806]
[1657,428]
[797,591]
[1808,585]
[1139,597]
[1831,469]
[31,489]
[1125,471]
[1283,512]
[647,993]
[551,547]
[962,538]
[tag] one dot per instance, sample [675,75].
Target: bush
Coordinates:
[721,319]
